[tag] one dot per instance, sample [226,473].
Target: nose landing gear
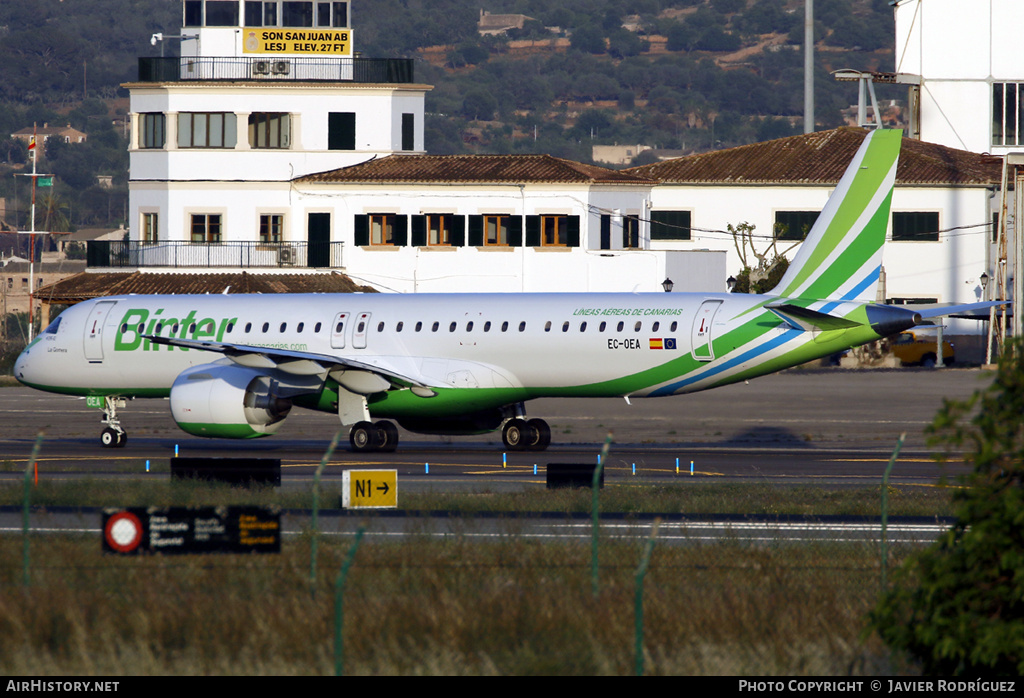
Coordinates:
[113,436]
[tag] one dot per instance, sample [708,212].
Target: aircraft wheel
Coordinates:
[387,436]
[362,437]
[122,439]
[512,434]
[109,438]
[518,434]
[543,439]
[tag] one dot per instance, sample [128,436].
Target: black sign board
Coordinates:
[191,530]
[236,471]
[573,475]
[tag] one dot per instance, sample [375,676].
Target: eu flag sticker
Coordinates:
[670,342]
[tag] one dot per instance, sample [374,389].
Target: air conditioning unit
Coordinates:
[261,68]
[286,255]
[281,67]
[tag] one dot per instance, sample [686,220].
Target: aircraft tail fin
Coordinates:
[842,256]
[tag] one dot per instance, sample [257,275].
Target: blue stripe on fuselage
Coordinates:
[725,365]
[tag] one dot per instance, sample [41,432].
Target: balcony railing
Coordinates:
[362,70]
[198,255]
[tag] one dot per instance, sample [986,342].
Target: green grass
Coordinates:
[684,498]
[452,607]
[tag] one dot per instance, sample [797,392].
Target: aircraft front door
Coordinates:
[360,330]
[94,331]
[700,335]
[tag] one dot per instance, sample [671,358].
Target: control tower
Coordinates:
[263,92]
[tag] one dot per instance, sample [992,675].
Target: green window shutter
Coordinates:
[476,231]
[457,234]
[515,231]
[419,231]
[341,131]
[533,231]
[573,236]
[361,228]
[400,234]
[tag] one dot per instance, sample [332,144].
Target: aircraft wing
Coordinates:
[298,363]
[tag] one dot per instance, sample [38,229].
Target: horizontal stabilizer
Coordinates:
[969,311]
[800,318]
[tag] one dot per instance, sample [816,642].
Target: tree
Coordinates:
[957,607]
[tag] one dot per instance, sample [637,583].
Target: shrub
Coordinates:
[957,607]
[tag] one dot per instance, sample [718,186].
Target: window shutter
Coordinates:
[573,234]
[361,230]
[533,231]
[419,231]
[476,231]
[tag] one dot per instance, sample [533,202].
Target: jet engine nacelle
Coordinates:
[227,401]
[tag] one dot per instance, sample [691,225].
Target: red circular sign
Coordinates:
[123,532]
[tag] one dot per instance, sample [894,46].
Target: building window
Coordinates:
[915,226]
[297,14]
[496,231]
[152,128]
[331,14]
[439,227]
[554,231]
[1007,113]
[221,13]
[193,13]
[670,225]
[271,227]
[408,132]
[206,227]
[630,232]
[794,225]
[341,131]
[150,227]
[382,228]
[269,130]
[206,130]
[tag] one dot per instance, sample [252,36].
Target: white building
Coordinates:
[939,228]
[967,71]
[227,142]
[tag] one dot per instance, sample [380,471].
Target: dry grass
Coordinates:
[451,607]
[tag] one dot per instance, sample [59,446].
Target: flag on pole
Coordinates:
[32,143]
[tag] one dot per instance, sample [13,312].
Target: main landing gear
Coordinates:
[113,436]
[526,435]
[367,437]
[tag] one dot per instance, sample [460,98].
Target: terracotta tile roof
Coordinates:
[821,158]
[84,286]
[475,169]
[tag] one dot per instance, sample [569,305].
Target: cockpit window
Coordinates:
[52,328]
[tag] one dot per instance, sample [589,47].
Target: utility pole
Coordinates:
[808,66]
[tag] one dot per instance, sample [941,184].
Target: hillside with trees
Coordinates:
[689,75]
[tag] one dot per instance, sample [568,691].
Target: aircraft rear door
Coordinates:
[338,330]
[94,331]
[700,336]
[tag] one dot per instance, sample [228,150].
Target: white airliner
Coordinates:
[467,363]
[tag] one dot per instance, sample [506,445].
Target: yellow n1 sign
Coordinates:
[369,489]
